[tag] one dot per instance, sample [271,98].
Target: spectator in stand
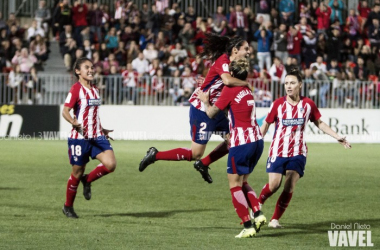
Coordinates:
[309,49]
[263,8]
[239,22]
[277,72]
[334,45]
[334,73]
[121,54]
[24,59]
[264,37]
[158,87]
[16,33]
[154,66]
[347,51]
[321,45]
[313,15]
[323,14]
[294,38]
[337,8]
[68,52]
[287,10]
[155,20]
[140,64]
[168,22]
[150,53]
[12,20]
[178,52]
[358,47]
[186,35]
[63,37]
[364,11]
[188,79]
[108,63]
[374,14]
[111,39]
[190,16]
[319,64]
[15,82]
[34,30]
[87,49]
[130,82]
[303,27]
[95,22]
[132,51]
[218,17]
[63,15]
[198,66]
[103,51]
[96,60]
[42,15]
[354,25]
[280,43]
[374,33]
[38,48]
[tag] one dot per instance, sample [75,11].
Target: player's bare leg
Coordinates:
[251,197]
[283,201]
[71,190]
[241,205]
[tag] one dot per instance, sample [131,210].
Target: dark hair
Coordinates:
[240,68]
[295,72]
[215,45]
[78,63]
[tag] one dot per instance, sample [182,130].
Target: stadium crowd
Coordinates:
[327,41]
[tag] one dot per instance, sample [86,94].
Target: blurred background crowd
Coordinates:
[157,39]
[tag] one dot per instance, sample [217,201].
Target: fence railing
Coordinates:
[48,89]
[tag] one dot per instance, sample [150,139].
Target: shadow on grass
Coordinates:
[318,228]
[162,214]
[10,188]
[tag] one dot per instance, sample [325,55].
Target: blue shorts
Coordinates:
[202,127]
[80,150]
[243,159]
[281,164]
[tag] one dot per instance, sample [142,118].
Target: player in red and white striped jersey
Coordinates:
[87,138]
[246,145]
[221,50]
[288,150]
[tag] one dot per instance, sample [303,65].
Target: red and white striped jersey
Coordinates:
[241,113]
[85,103]
[213,82]
[289,139]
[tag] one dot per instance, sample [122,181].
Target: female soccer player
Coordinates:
[221,50]
[87,137]
[246,145]
[288,150]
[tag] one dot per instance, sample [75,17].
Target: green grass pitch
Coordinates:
[169,206]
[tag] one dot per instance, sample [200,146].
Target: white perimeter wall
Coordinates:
[172,123]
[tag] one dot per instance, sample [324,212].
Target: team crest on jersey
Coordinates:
[293,122]
[94,102]
[301,110]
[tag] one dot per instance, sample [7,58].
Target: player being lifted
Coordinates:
[221,51]
[246,145]
[87,137]
[288,150]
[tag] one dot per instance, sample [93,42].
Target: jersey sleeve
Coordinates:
[225,98]
[72,97]
[272,114]
[221,65]
[314,113]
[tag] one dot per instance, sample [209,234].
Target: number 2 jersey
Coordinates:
[241,113]
[213,82]
[290,124]
[85,103]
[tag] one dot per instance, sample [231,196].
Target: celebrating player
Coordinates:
[221,50]
[288,150]
[87,137]
[246,145]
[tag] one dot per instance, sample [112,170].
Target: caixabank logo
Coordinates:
[350,235]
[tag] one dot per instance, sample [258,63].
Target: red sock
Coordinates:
[71,190]
[177,154]
[282,204]
[97,173]
[240,203]
[220,151]
[265,194]
[251,197]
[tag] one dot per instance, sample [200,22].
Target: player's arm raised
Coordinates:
[211,111]
[326,129]
[228,80]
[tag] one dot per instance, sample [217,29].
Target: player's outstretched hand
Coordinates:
[203,96]
[106,132]
[344,142]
